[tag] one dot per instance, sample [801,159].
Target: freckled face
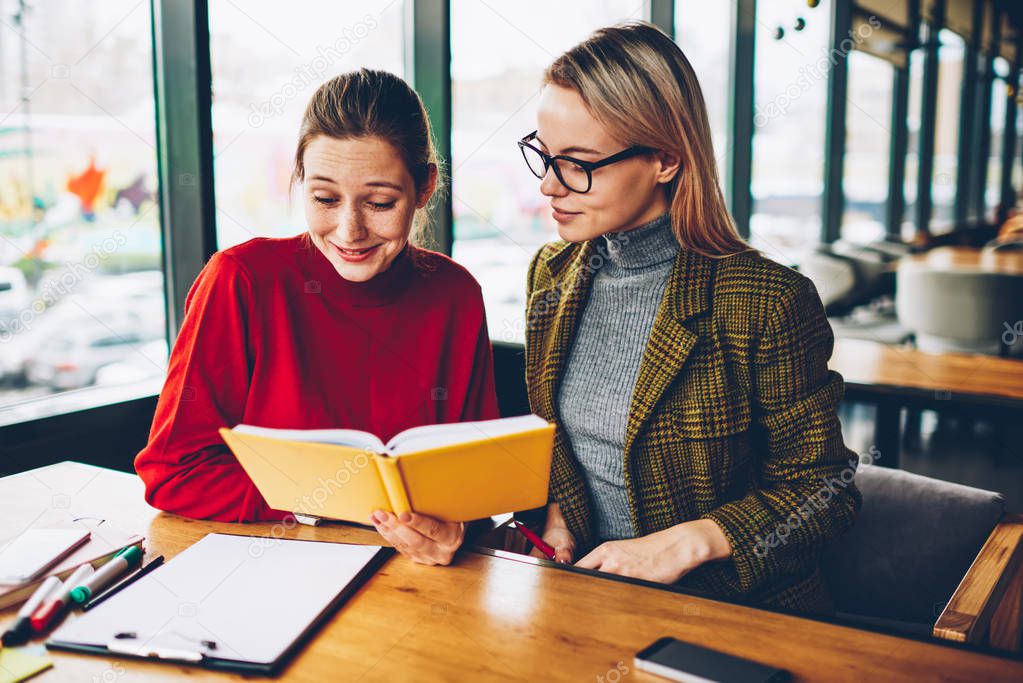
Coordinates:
[360,200]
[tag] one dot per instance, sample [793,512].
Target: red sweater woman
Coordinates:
[346,326]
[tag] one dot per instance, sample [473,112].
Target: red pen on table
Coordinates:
[49,610]
[537,542]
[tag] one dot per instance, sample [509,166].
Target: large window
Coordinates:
[703,30]
[946,131]
[81,290]
[501,219]
[259,96]
[791,76]
[81,285]
[867,147]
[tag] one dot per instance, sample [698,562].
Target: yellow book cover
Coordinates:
[455,472]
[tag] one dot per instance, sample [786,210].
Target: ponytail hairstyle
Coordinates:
[368,103]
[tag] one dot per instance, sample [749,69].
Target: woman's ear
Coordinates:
[429,186]
[670,164]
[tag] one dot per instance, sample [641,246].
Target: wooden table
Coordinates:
[896,377]
[968,259]
[483,618]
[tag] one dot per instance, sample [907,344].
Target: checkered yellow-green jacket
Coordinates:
[733,417]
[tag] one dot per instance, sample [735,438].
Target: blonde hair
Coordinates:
[370,103]
[637,83]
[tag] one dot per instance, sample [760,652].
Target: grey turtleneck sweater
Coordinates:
[596,389]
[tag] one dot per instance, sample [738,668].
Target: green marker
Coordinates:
[107,574]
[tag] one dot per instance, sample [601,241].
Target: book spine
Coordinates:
[394,485]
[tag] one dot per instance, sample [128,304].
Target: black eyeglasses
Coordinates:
[575,174]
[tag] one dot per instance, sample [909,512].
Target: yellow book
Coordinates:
[454,472]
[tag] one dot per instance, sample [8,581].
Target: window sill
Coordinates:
[77,401]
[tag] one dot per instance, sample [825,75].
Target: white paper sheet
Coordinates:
[252,596]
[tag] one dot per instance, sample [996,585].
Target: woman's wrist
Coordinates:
[720,547]
[554,520]
[702,538]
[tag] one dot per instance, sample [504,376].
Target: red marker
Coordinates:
[51,608]
[537,542]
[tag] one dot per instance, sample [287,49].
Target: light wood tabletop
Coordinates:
[483,618]
[967,259]
[962,376]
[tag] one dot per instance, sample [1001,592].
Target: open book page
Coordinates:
[435,436]
[341,437]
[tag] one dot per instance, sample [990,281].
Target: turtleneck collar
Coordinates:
[646,246]
[383,289]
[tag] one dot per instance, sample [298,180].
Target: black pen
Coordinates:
[153,564]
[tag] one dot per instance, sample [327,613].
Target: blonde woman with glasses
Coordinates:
[698,438]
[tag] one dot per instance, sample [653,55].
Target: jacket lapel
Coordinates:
[553,317]
[686,295]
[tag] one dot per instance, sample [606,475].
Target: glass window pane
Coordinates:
[703,31]
[81,290]
[913,118]
[999,98]
[1017,159]
[791,76]
[259,96]
[501,219]
[867,148]
[946,131]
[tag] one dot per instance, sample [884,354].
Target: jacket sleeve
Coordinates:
[186,467]
[803,492]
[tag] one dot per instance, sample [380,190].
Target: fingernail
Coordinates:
[377,517]
[405,517]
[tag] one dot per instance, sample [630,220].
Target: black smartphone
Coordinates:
[690,663]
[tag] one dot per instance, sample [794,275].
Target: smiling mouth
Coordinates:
[355,252]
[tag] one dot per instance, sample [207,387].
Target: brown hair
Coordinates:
[637,83]
[371,103]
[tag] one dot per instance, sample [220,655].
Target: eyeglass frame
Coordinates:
[588,166]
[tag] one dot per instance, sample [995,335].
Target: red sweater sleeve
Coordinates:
[186,467]
[481,398]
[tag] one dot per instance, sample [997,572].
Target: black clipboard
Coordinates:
[94,632]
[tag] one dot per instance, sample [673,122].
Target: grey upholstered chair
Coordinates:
[913,560]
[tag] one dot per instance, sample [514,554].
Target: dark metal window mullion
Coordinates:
[428,69]
[1009,137]
[739,168]
[928,114]
[989,82]
[833,203]
[969,125]
[896,206]
[982,150]
[182,85]
[899,143]
[662,15]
